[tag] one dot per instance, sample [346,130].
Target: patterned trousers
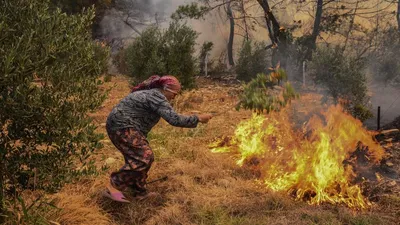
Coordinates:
[138,159]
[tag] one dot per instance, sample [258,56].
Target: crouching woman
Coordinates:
[128,125]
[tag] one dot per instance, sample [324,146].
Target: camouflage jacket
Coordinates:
[142,110]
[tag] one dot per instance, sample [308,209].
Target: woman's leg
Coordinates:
[138,159]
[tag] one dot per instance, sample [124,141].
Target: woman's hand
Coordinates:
[204,118]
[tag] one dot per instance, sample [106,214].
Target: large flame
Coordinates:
[308,164]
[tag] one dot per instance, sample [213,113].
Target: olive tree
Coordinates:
[49,70]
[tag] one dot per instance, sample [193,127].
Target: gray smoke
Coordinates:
[130,17]
[387,96]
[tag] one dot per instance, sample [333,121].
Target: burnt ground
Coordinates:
[395,124]
[382,184]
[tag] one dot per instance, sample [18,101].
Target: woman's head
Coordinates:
[169,84]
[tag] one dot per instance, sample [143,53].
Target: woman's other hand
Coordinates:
[204,118]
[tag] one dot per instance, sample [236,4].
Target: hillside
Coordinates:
[205,187]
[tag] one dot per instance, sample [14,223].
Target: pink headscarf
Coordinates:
[156,81]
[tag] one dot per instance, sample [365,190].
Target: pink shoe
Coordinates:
[116,196]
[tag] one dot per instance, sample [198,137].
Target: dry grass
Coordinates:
[78,207]
[202,187]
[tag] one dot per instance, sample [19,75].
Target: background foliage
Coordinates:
[163,52]
[253,59]
[386,57]
[344,77]
[77,6]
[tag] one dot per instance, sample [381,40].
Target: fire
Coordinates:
[308,164]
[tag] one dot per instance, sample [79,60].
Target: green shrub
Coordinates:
[253,59]
[33,212]
[144,56]
[263,93]
[49,70]
[163,52]
[344,78]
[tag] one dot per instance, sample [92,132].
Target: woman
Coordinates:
[128,125]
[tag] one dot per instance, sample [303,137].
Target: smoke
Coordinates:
[388,98]
[383,75]
[213,28]
[128,18]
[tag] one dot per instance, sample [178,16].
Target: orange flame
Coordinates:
[308,164]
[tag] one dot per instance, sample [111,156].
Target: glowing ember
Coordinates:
[308,164]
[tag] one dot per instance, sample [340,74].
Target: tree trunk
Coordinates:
[350,27]
[311,44]
[317,22]
[277,36]
[398,15]
[270,20]
[246,30]
[231,34]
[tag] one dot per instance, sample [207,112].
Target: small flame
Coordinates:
[308,164]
